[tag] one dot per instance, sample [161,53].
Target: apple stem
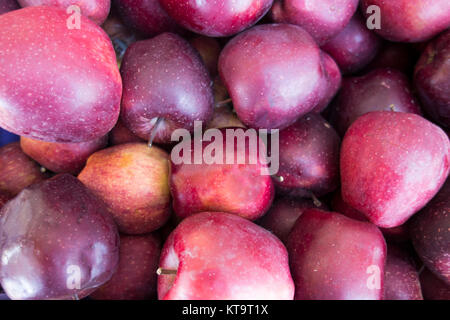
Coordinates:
[392,107]
[316,201]
[223,102]
[153,132]
[162,271]
[278,178]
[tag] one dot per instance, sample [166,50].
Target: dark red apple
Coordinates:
[433,288]
[395,55]
[146,16]
[392,164]
[209,49]
[132,180]
[4,197]
[57,242]
[96,10]
[322,19]
[164,78]
[283,214]
[273,73]
[432,79]
[381,89]
[401,279]
[430,234]
[354,47]
[8,5]
[219,256]
[17,170]
[332,80]
[135,278]
[309,158]
[410,21]
[121,134]
[62,157]
[243,188]
[217,18]
[333,257]
[57,83]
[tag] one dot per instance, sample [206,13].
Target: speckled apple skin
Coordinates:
[62,157]
[17,170]
[216,18]
[410,21]
[329,255]
[322,19]
[132,180]
[392,164]
[96,10]
[401,279]
[46,229]
[354,47]
[221,256]
[241,189]
[378,90]
[146,16]
[433,288]
[309,158]
[8,5]
[164,77]
[135,278]
[430,234]
[273,74]
[432,80]
[56,84]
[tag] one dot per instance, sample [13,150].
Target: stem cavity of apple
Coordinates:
[154,131]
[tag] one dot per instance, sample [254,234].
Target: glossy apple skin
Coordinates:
[272,88]
[330,254]
[354,47]
[209,49]
[392,164]
[76,85]
[132,180]
[432,81]
[135,278]
[17,170]
[322,19]
[283,214]
[380,89]
[309,158]
[240,189]
[121,135]
[407,21]
[164,77]
[62,157]
[433,288]
[220,256]
[96,10]
[146,16]
[401,279]
[332,80]
[8,5]
[430,234]
[49,228]
[216,18]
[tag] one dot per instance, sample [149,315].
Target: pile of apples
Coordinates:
[93,204]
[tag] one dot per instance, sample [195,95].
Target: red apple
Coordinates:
[57,242]
[146,16]
[219,256]
[57,83]
[433,288]
[164,78]
[132,179]
[4,197]
[354,47]
[430,234]
[8,5]
[395,55]
[401,279]
[209,49]
[432,81]
[322,19]
[135,278]
[333,257]
[62,157]
[309,158]
[332,81]
[17,170]
[216,18]
[272,87]
[121,134]
[410,21]
[381,89]
[392,164]
[96,10]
